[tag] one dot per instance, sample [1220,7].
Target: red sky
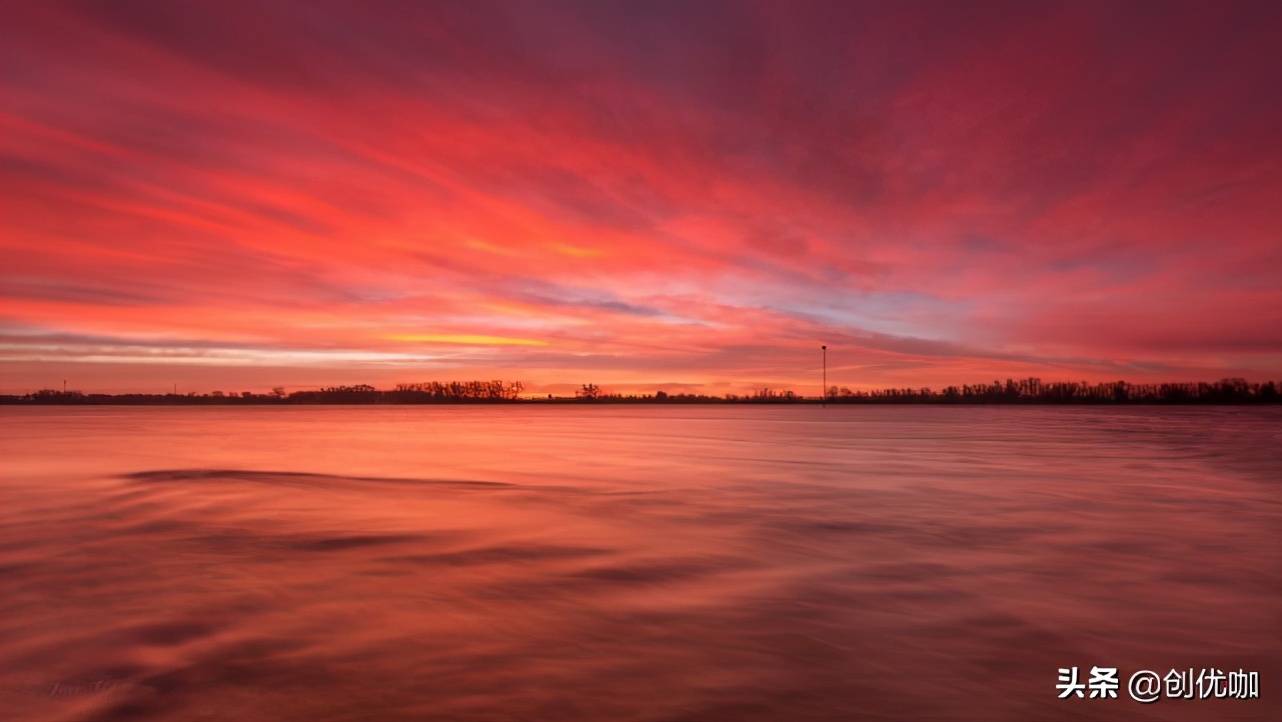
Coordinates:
[653,195]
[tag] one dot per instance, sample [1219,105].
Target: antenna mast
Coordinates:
[823,398]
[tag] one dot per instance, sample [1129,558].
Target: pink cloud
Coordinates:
[697,200]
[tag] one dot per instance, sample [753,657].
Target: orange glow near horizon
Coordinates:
[464,339]
[691,200]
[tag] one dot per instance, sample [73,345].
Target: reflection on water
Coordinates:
[631,563]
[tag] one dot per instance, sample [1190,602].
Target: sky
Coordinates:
[658,195]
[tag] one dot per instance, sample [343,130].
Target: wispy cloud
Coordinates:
[698,195]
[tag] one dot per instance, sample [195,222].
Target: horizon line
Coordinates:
[1024,390]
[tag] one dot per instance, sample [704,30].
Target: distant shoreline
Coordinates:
[11,402]
[1024,392]
[234,402]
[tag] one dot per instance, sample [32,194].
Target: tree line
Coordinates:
[1034,390]
[1023,391]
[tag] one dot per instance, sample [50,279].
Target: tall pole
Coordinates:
[824,396]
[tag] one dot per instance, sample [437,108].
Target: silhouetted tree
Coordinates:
[1025,391]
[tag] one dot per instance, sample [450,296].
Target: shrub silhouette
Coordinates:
[1011,391]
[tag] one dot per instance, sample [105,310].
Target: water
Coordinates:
[631,563]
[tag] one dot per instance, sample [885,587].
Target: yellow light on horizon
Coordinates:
[576,251]
[467,339]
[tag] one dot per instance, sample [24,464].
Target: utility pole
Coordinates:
[824,397]
[64,386]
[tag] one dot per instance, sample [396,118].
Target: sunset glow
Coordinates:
[296,194]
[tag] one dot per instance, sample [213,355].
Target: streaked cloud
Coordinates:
[690,195]
[466,339]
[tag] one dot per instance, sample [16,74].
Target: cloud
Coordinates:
[697,195]
[465,339]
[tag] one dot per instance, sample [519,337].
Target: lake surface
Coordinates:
[648,564]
